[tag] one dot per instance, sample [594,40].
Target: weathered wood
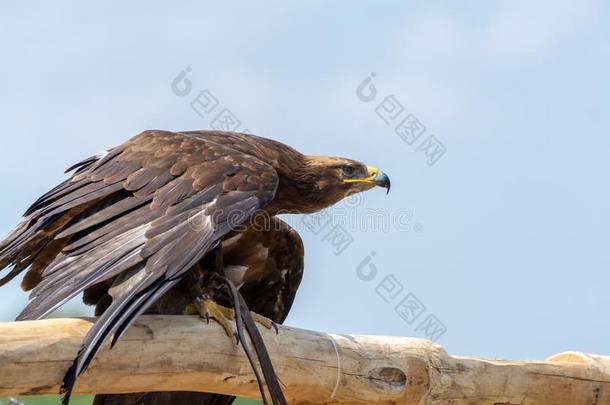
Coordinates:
[162,353]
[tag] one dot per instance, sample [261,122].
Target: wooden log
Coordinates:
[163,353]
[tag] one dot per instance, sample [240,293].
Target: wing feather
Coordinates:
[120,208]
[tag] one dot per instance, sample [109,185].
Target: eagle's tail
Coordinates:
[244,320]
[115,319]
[123,311]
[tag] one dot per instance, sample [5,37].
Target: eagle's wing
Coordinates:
[145,213]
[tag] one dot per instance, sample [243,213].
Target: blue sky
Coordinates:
[507,244]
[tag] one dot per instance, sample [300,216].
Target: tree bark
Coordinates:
[169,353]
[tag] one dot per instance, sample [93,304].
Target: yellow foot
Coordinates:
[266,322]
[206,308]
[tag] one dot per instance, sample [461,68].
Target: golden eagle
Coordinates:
[175,221]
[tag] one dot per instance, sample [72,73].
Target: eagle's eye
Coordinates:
[347,171]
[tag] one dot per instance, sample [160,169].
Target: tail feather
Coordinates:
[243,320]
[119,315]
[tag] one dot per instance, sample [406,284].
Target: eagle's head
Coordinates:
[344,176]
[309,183]
[321,181]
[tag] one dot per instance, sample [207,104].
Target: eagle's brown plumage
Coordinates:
[140,229]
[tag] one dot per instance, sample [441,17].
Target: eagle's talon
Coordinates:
[263,320]
[207,308]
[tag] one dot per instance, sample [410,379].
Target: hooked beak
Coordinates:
[382,180]
[375,176]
